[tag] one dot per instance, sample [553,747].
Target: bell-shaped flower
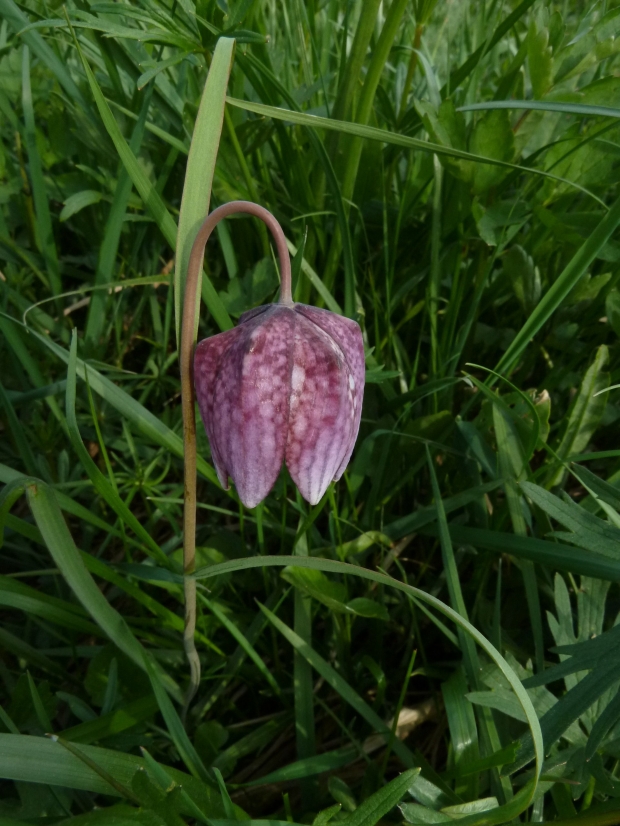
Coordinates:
[285,385]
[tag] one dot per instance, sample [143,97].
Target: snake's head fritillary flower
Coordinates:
[285,385]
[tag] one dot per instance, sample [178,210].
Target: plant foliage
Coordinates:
[436,640]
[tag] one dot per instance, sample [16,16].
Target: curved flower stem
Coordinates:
[188,340]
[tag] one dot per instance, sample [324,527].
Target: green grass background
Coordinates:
[436,640]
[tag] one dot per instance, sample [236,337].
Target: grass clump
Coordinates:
[434,641]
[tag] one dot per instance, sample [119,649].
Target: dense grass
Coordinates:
[477,527]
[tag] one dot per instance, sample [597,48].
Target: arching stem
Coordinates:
[188,341]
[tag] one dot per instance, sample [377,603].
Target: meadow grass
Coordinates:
[436,639]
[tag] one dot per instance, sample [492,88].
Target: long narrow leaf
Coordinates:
[198,180]
[61,546]
[385,136]
[381,802]
[40,760]
[561,287]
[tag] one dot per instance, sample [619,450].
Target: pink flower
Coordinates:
[285,385]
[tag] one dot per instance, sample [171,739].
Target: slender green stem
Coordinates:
[188,341]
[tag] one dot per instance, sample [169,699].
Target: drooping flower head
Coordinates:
[285,385]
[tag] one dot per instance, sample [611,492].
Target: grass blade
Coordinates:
[561,287]
[112,234]
[61,546]
[141,418]
[188,753]
[45,233]
[198,180]
[19,434]
[302,675]
[512,464]
[470,655]
[243,642]
[102,485]
[118,787]
[565,108]
[151,198]
[383,801]
[331,676]
[584,416]
[555,555]
[395,138]
[40,760]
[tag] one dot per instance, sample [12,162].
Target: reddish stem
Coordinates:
[188,340]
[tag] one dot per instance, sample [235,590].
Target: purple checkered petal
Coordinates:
[286,384]
[347,335]
[318,429]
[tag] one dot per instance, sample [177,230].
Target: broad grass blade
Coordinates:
[40,760]
[512,464]
[121,719]
[463,730]
[565,108]
[226,801]
[328,761]
[120,789]
[22,597]
[198,180]
[555,555]
[470,654]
